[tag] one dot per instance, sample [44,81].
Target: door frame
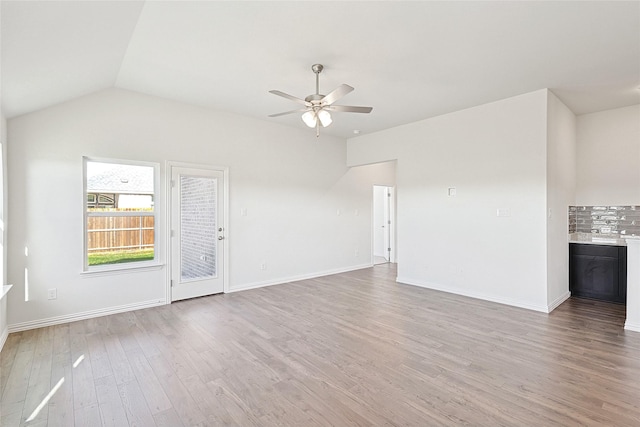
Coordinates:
[392,217]
[168,171]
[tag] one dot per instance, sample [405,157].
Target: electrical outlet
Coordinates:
[263,266]
[356,252]
[52,293]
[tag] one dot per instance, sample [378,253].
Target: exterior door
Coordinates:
[197,232]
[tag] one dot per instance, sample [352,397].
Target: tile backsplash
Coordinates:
[606,220]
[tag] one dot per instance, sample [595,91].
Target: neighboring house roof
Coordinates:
[122,179]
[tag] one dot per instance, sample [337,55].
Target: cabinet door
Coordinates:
[595,272]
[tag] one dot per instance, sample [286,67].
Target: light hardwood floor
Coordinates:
[353,349]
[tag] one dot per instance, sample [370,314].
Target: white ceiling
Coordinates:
[408,60]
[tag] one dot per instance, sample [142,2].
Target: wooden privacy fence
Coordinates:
[117,233]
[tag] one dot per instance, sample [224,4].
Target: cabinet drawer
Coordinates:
[595,250]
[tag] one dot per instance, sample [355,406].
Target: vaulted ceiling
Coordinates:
[409,60]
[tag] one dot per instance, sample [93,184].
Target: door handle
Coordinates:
[220,237]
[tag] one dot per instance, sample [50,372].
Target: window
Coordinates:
[120,214]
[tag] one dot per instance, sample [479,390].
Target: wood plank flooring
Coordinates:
[353,349]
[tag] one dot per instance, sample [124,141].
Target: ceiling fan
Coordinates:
[317,107]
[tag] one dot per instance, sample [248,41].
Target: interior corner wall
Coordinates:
[4,331]
[494,155]
[608,157]
[561,190]
[292,187]
[3,198]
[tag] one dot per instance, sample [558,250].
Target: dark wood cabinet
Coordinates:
[598,271]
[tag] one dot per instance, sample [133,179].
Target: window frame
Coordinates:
[155,213]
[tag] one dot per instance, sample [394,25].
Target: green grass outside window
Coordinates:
[118,257]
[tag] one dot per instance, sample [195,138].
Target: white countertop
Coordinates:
[597,239]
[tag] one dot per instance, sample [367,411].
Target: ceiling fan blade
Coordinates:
[336,94]
[288,112]
[291,97]
[349,109]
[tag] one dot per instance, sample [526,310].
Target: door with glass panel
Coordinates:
[197,232]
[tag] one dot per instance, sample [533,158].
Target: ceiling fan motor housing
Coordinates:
[316,98]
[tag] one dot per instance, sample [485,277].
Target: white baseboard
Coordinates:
[555,304]
[477,295]
[4,290]
[57,320]
[3,337]
[632,326]
[290,279]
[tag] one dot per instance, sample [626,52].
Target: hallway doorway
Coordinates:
[383,222]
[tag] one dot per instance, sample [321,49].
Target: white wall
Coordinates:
[4,331]
[561,190]
[304,206]
[495,156]
[608,157]
[3,198]
[632,321]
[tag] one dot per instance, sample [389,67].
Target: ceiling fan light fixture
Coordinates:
[325,118]
[316,106]
[310,119]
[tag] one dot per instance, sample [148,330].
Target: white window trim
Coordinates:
[106,269]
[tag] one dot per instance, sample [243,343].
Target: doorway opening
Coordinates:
[383,234]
